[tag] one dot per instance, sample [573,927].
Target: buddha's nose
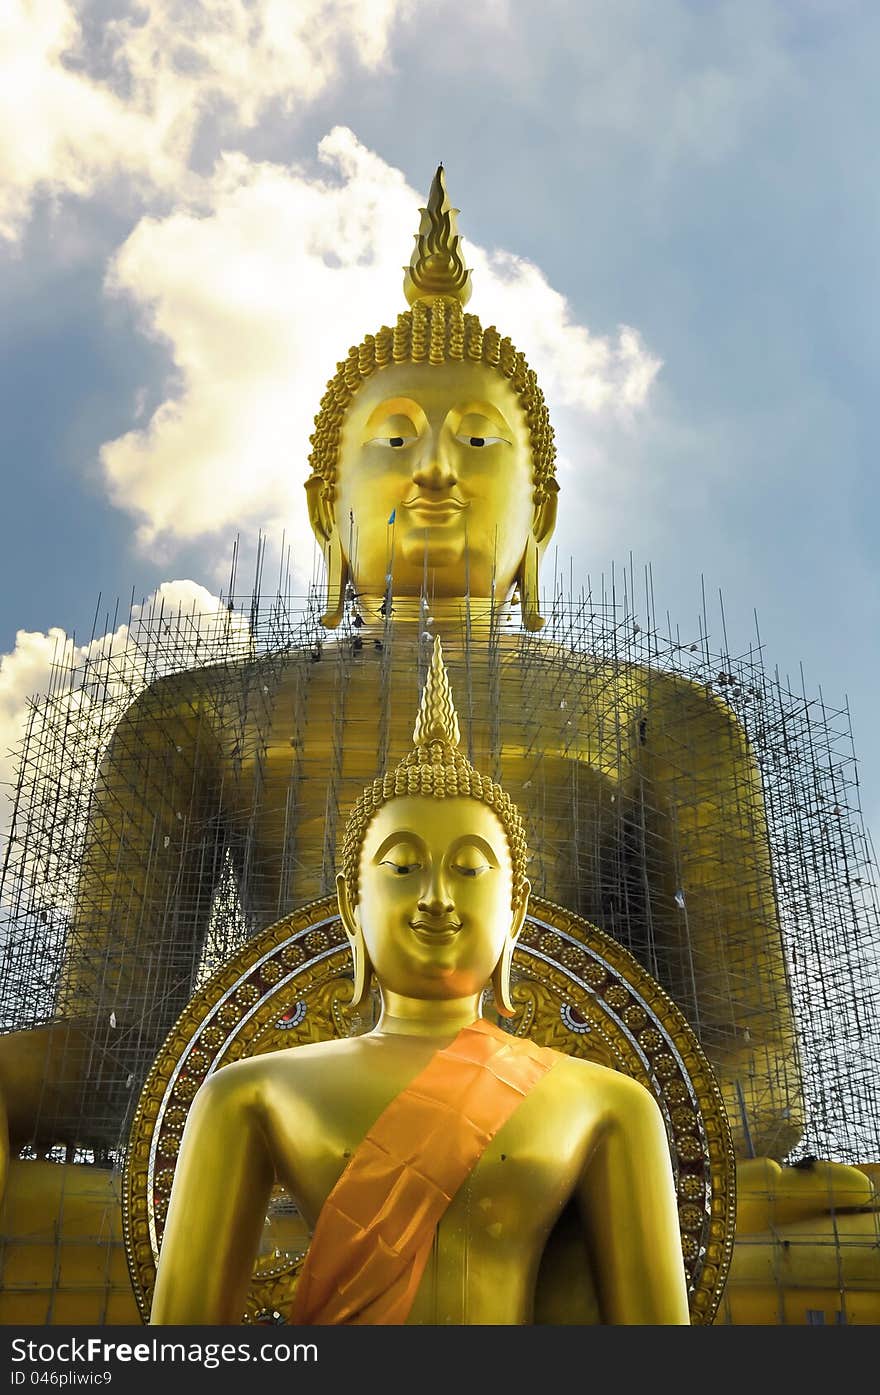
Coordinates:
[435,469]
[435,898]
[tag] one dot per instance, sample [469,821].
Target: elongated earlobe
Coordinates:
[501,974]
[501,981]
[529,587]
[337,576]
[528,576]
[323,520]
[363,969]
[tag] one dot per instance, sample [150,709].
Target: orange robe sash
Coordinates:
[376,1228]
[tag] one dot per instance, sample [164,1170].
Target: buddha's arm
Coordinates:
[150,863]
[627,1201]
[218,1205]
[718,902]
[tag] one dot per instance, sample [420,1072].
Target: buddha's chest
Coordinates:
[348,716]
[503,1196]
[296,761]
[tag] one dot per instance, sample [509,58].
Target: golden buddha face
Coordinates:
[443,449]
[435,890]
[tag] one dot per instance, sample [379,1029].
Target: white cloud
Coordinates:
[58,128]
[576,368]
[114,665]
[261,276]
[258,299]
[127,97]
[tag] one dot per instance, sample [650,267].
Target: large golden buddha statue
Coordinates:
[433,1155]
[433,496]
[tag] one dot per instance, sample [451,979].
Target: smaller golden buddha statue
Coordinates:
[434,1155]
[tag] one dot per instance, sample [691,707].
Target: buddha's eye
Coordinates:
[392,442]
[471,865]
[402,861]
[479,441]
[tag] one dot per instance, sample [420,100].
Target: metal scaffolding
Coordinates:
[185,783]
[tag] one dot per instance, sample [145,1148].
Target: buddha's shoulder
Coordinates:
[258,1082]
[238,671]
[589,1081]
[209,694]
[618,680]
[328,1057]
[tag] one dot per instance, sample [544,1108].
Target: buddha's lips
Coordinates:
[444,928]
[438,506]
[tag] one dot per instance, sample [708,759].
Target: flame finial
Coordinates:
[437,719]
[437,266]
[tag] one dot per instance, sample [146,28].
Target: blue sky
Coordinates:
[202,204]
